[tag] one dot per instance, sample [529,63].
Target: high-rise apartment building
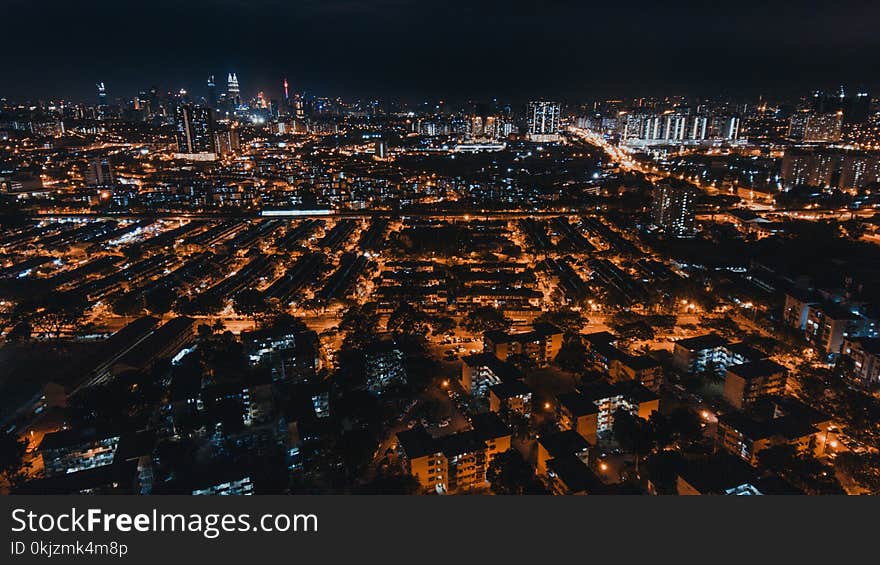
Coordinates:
[195,133]
[100,173]
[543,121]
[673,209]
[814,127]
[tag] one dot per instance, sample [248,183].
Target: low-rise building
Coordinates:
[69,451]
[744,384]
[291,353]
[862,359]
[576,412]
[727,475]
[775,421]
[454,462]
[711,354]
[590,409]
[827,324]
[568,474]
[642,369]
[566,442]
[603,353]
[481,371]
[511,397]
[384,366]
[106,479]
[541,345]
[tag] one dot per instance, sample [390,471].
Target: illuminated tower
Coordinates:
[102,99]
[233,90]
[212,93]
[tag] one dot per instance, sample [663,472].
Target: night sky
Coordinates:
[456,49]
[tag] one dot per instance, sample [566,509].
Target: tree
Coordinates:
[160,300]
[863,469]
[572,355]
[359,322]
[128,304]
[57,313]
[508,473]
[566,319]
[485,318]
[391,484]
[408,321]
[633,434]
[854,229]
[662,468]
[204,331]
[13,469]
[680,426]
[442,325]
[801,469]
[20,332]
[251,303]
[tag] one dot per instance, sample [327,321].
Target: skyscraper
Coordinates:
[99,173]
[195,133]
[299,110]
[227,141]
[102,94]
[212,93]
[857,109]
[543,121]
[673,209]
[232,89]
[813,127]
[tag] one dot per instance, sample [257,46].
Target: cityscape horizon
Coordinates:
[255,282]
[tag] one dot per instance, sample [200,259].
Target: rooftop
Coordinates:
[564,443]
[699,343]
[577,404]
[575,475]
[756,369]
[510,389]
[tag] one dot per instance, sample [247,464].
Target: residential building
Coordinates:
[543,121]
[481,371]
[774,421]
[566,442]
[454,462]
[674,209]
[384,366]
[744,384]
[540,346]
[727,475]
[69,451]
[195,133]
[862,357]
[590,409]
[711,354]
[511,397]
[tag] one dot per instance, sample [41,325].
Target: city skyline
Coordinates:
[412,50]
[225,270]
